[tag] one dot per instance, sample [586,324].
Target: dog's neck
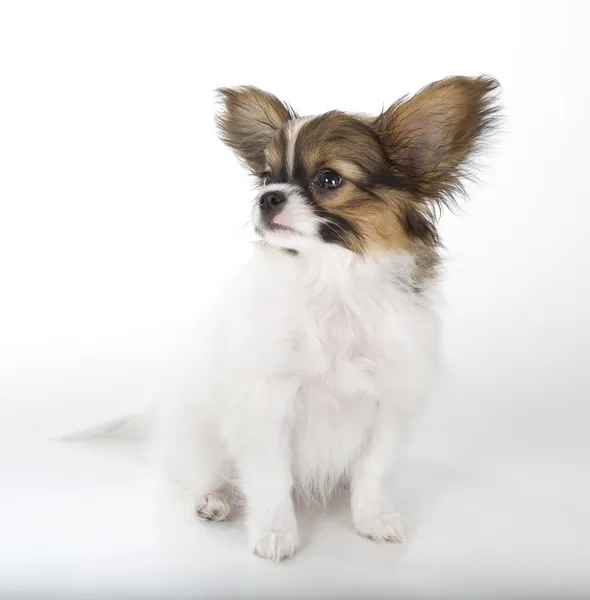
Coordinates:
[331,263]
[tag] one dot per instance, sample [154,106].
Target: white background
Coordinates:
[120,214]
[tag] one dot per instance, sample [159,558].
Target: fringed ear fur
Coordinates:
[247,120]
[431,137]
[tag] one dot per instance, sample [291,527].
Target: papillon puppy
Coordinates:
[329,336]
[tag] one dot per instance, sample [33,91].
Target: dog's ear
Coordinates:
[431,137]
[247,120]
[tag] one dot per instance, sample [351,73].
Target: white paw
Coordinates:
[386,527]
[213,507]
[276,546]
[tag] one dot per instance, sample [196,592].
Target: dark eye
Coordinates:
[328,179]
[266,178]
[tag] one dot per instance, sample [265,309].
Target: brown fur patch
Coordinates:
[369,200]
[376,219]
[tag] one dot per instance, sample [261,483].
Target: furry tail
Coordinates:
[130,427]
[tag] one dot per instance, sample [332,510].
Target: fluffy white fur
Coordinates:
[307,367]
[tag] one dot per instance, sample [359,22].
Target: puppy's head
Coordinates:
[368,184]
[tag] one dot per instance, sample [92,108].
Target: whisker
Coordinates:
[332,226]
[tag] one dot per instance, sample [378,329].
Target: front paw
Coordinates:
[276,545]
[385,527]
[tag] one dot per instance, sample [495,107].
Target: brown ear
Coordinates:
[430,138]
[247,120]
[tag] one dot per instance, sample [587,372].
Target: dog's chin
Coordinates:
[281,236]
[278,235]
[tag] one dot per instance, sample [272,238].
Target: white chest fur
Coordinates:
[339,333]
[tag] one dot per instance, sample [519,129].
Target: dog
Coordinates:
[328,340]
[330,334]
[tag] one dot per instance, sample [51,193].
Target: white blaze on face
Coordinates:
[296,214]
[294,127]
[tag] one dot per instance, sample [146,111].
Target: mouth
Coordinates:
[275,228]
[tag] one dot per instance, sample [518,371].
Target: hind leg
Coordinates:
[193,460]
[214,506]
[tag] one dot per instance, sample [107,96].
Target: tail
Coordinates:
[130,427]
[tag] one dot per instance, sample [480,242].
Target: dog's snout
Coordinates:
[272,202]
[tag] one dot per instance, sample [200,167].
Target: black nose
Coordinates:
[271,202]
